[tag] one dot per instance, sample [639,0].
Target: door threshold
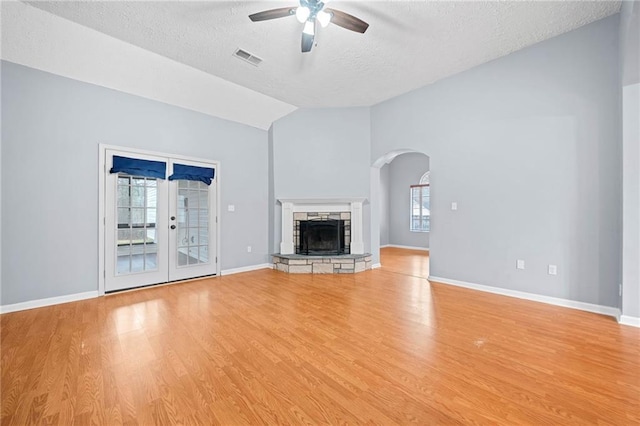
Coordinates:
[142,287]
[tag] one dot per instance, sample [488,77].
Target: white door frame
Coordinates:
[102,168]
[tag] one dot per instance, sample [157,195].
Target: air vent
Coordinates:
[247,57]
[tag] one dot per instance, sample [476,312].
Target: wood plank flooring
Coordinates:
[380,347]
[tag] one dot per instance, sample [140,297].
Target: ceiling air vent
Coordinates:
[248,57]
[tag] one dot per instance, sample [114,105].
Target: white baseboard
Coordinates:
[246,269]
[376,266]
[583,306]
[406,247]
[48,302]
[628,320]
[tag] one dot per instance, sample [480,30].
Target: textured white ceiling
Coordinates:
[409,44]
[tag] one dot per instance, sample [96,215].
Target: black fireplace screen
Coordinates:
[321,237]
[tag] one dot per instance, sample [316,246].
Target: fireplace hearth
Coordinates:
[322,236]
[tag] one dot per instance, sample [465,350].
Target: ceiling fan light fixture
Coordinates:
[309,28]
[324,18]
[302,14]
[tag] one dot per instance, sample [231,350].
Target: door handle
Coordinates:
[173,227]
[173,218]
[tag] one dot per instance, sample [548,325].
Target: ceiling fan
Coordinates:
[311,12]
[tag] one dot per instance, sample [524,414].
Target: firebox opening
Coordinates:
[321,237]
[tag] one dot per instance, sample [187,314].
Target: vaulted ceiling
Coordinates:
[409,44]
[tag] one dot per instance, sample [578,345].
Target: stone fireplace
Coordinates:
[322,236]
[349,209]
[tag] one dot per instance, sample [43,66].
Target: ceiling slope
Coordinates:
[47,42]
[409,44]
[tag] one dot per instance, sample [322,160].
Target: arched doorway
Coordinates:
[400,211]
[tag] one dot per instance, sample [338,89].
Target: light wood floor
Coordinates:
[264,347]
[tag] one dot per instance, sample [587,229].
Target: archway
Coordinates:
[400,197]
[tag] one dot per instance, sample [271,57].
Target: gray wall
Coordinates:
[405,170]
[630,78]
[529,147]
[385,205]
[51,127]
[322,153]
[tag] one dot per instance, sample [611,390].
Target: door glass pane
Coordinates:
[150,261]
[203,202]
[192,217]
[124,236]
[193,237]
[193,223]
[124,216]
[193,199]
[137,196]
[123,193]
[136,234]
[203,218]
[203,236]
[193,255]
[204,254]
[151,200]
[183,257]
[137,217]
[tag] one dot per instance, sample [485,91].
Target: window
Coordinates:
[420,207]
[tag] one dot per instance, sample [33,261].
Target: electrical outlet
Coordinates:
[553,270]
[231,208]
[248,249]
[519,264]
[454,206]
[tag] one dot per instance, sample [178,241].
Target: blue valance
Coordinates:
[135,167]
[202,174]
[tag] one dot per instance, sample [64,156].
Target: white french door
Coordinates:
[191,226]
[157,230]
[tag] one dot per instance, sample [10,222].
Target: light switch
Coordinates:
[519,264]
[553,270]
[231,208]
[454,206]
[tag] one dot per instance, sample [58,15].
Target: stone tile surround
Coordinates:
[337,264]
[300,216]
[319,207]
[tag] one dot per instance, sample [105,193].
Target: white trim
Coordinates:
[376,266]
[315,201]
[246,269]
[583,306]
[628,320]
[406,247]
[31,304]
[294,205]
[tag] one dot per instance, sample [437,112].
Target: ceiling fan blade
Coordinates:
[307,42]
[273,14]
[350,22]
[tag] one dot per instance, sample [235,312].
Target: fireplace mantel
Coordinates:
[294,205]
